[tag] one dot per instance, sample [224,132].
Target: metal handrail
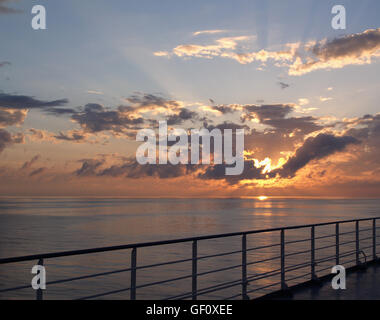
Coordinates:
[245,279]
[165,242]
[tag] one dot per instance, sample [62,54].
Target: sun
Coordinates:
[262,198]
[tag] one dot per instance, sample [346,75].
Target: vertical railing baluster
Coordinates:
[283,283]
[313,275]
[133,273]
[39,294]
[357,242]
[195,272]
[244,266]
[374,239]
[337,260]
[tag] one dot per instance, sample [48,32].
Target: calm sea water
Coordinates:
[42,225]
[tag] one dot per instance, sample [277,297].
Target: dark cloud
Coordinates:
[28,164]
[304,125]
[225,125]
[26,102]
[151,100]
[183,115]
[353,49]
[37,171]
[134,170]
[130,168]
[223,109]
[72,136]
[10,117]
[6,139]
[60,111]
[314,148]
[218,171]
[96,118]
[353,45]
[283,85]
[88,167]
[267,112]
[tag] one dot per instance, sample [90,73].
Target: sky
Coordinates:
[73,96]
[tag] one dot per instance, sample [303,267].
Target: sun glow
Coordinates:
[262,198]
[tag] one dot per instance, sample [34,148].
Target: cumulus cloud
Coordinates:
[10,117]
[220,47]
[95,118]
[27,102]
[314,148]
[88,167]
[130,168]
[6,139]
[298,58]
[354,49]
[215,31]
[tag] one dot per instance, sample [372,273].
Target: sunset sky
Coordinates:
[72,97]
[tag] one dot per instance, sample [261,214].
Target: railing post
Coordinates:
[357,242]
[313,275]
[39,294]
[337,244]
[374,239]
[283,283]
[133,273]
[244,267]
[195,272]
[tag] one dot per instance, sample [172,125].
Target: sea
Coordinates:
[30,225]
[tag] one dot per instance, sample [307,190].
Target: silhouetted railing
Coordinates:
[245,280]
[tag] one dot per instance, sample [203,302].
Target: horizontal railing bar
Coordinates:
[140,286]
[179,296]
[104,294]
[264,275]
[218,255]
[162,282]
[324,237]
[347,232]
[219,270]
[163,264]
[166,242]
[297,241]
[297,252]
[207,289]
[298,266]
[15,288]
[368,238]
[264,247]
[88,276]
[232,297]
[347,242]
[323,269]
[264,260]
[297,277]
[326,247]
[219,288]
[265,287]
[328,258]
